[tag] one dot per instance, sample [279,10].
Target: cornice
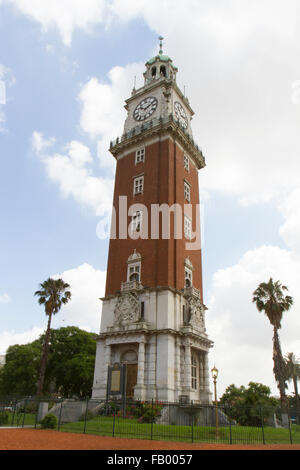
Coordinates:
[204,341]
[147,289]
[159,127]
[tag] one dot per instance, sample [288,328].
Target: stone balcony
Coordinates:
[131,286]
[191,292]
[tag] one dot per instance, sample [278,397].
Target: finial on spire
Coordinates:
[160,44]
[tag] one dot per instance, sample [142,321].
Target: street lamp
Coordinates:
[214,373]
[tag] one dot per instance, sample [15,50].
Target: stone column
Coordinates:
[140,389]
[201,373]
[206,394]
[107,359]
[177,367]
[151,385]
[141,364]
[107,356]
[188,363]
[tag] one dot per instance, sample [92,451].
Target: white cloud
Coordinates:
[227,23]
[39,143]
[9,338]
[87,286]
[7,80]
[245,118]
[7,75]
[65,15]
[72,172]
[290,230]
[242,335]
[4,299]
[2,122]
[103,113]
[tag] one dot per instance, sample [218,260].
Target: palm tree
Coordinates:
[53,294]
[293,372]
[269,297]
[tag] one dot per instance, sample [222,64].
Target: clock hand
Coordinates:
[147,105]
[144,110]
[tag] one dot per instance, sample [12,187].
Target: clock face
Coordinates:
[180,114]
[145,108]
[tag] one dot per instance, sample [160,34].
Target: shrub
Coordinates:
[147,412]
[49,422]
[4,416]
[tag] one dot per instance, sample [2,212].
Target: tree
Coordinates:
[70,365]
[269,297]
[293,372]
[53,294]
[71,361]
[249,405]
[19,374]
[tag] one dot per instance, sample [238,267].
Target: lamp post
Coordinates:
[214,373]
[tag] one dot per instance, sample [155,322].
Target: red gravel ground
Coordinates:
[32,439]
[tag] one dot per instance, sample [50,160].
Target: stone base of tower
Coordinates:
[166,357]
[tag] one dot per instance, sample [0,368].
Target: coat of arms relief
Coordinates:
[127,309]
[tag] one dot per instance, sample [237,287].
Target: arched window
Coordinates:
[134,267]
[153,72]
[134,272]
[188,273]
[188,277]
[163,71]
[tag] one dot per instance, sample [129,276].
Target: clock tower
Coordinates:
[153,314]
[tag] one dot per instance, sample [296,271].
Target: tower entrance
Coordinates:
[131,379]
[129,357]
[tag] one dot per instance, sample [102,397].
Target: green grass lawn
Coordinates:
[20,419]
[131,428]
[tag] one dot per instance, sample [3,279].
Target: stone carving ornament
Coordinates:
[196,311]
[127,309]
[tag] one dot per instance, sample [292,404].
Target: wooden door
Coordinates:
[131,378]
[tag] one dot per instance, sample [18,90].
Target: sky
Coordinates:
[66,67]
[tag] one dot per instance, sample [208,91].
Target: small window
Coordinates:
[186,162]
[188,277]
[142,310]
[138,187]
[187,227]
[136,222]
[134,272]
[153,72]
[140,155]
[187,191]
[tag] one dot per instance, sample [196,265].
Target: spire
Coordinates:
[160,44]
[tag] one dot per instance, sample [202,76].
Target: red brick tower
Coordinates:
[153,313]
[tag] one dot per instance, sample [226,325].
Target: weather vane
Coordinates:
[160,44]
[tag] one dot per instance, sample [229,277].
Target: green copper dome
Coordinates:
[161,57]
